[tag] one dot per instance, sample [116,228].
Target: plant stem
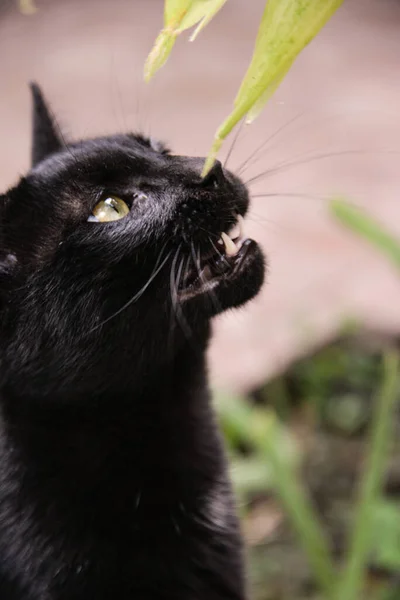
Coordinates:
[302,514]
[353,575]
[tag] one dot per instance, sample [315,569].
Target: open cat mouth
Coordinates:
[224,264]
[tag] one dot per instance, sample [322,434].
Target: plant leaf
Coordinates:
[179,15]
[361,542]
[287,26]
[359,222]
[386,534]
[215,6]
[159,53]
[299,508]
[175,10]
[27,7]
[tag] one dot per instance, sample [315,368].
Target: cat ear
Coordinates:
[45,132]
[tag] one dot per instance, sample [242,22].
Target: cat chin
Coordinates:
[228,283]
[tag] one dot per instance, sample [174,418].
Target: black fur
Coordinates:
[113,480]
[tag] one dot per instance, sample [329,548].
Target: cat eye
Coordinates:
[109,209]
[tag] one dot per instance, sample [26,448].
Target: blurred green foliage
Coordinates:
[27,7]
[266,461]
[348,390]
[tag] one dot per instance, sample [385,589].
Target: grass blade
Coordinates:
[27,7]
[287,26]
[300,511]
[359,222]
[179,15]
[370,489]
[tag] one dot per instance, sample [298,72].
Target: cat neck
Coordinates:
[160,441]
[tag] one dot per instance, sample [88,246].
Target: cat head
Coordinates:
[113,253]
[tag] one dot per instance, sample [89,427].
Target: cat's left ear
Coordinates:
[45,132]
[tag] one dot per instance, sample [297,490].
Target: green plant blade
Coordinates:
[260,429]
[298,507]
[200,11]
[175,10]
[287,26]
[212,11]
[365,226]
[386,534]
[179,15]
[27,7]
[159,53]
[360,545]
[265,96]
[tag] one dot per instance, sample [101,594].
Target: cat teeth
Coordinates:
[230,247]
[232,241]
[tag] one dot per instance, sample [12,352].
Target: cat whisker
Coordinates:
[233,144]
[174,286]
[221,256]
[138,295]
[308,159]
[265,143]
[289,195]
[211,293]
[196,260]
[304,125]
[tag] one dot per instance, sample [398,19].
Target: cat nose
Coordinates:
[215,177]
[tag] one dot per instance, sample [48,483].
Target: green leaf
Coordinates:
[251,475]
[27,7]
[201,12]
[265,96]
[287,26]
[299,508]
[159,53]
[175,10]
[361,542]
[386,534]
[359,222]
[179,15]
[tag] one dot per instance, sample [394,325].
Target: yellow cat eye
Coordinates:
[108,209]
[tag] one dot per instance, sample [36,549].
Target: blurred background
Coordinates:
[332,130]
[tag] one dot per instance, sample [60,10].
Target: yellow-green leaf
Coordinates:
[265,96]
[365,226]
[214,7]
[175,10]
[179,15]
[27,7]
[200,10]
[287,26]
[159,53]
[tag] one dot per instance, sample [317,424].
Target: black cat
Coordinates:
[113,480]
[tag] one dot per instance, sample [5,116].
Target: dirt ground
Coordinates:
[344,94]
